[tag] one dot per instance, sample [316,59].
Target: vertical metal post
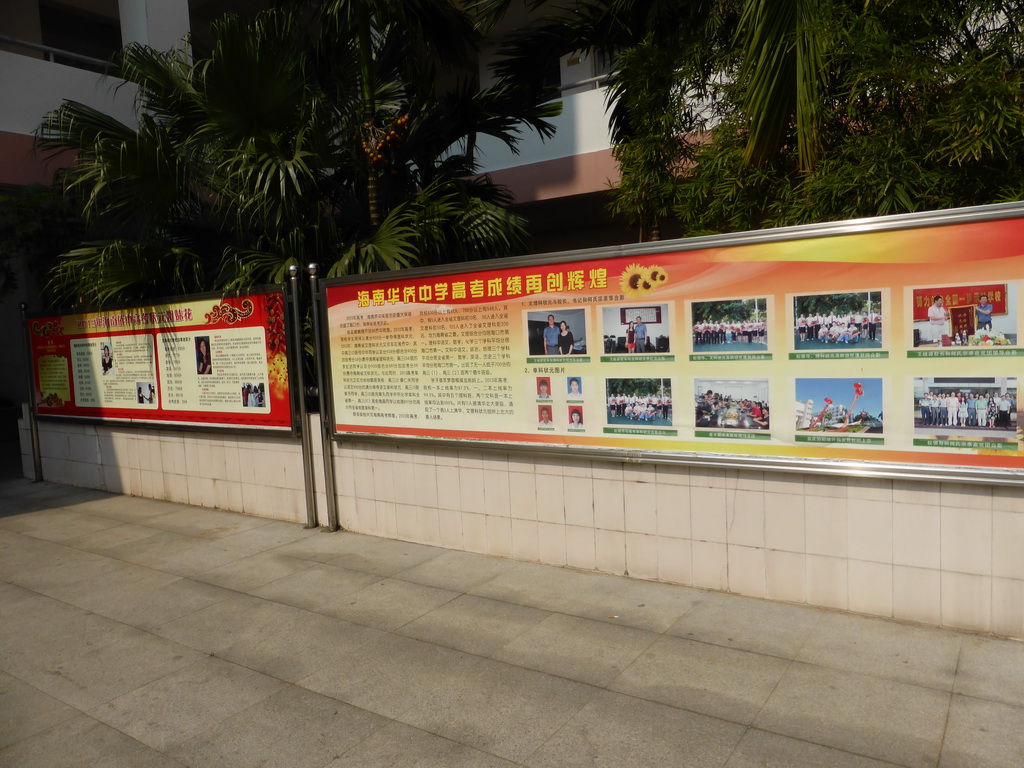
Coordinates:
[299,382]
[325,411]
[33,427]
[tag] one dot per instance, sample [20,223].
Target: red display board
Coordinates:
[204,360]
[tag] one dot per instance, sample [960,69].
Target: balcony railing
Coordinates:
[59,56]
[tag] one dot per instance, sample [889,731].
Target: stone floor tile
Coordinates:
[273,534]
[253,571]
[983,734]
[759,749]
[457,571]
[174,553]
[588,651]
[499,708]
[201,522]
[181,705]
[385,673]
[909,654]
[150,603]
[55,580]
[97,662]
[129,509]
[40,632]
[633,602]
[539,586]
[761,626]
[992,669]
[384,557]
[866,715]
[19,554]
[474,624]
[226,622]
[710,679]
[613,731]
[295,728]
[321,547]
[82,742]
[401,746]
[317,588]
[296,647]
[56,525]
[25,710]
[121,533]
[388,603]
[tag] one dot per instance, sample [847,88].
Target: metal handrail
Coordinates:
[49,49]
[597,81]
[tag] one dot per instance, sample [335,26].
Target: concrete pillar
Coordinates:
[134,28]
[159,23]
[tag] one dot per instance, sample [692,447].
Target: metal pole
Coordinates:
[325,411]
[33,427]
[299,383]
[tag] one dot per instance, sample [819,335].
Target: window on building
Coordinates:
[79,33]
[91,29]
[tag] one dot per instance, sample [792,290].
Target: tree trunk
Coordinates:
[369,112]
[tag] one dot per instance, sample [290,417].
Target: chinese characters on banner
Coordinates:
[211,361]
[803,348]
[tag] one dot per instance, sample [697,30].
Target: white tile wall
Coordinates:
[551,537]
[827,581]
[915,535]
[642,555]
[710,565]
[966,601]
[610,551]
[525,540]
[785,576]
[580,547]
[499,535]
[674,560]
[870,587]
[917,594]
[946,554]
[747,571]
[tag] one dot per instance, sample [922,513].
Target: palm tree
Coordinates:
[275,148]
[783,45]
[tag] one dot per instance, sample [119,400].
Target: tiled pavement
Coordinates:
[143,633]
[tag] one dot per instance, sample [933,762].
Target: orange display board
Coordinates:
[792,347]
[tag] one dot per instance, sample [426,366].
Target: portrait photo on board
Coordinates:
[542,387]
[636,329]
[557,332]
[633,401]
[732,404]
[731,325]
[576,418]
[254,395]
[981,316]
[966,406]
[145,393]
[544,417]
[106,358]
[838,321]
[204,357]
[834,406]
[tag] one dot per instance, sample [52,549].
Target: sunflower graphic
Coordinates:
[638,281]
[657,275]
[635,281]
